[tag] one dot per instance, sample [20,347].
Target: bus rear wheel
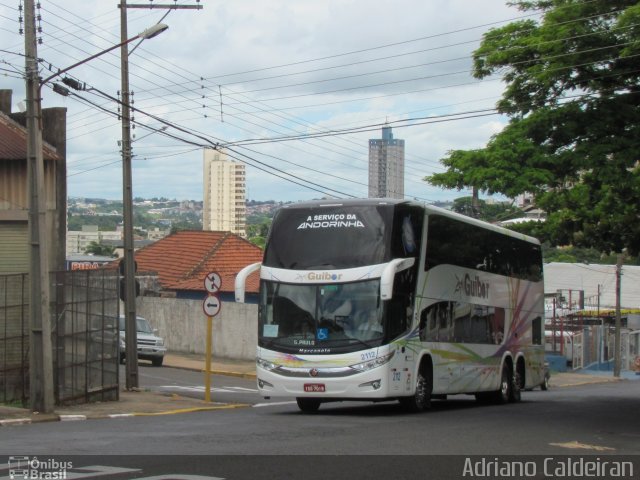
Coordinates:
[421,399]
[308,405]
[516,386]
[506,383]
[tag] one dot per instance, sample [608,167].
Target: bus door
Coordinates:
[399,319]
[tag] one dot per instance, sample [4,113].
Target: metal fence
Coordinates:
[14,339]
[84,336]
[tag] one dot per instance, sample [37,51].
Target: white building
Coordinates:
[386,166]
[224,206]
[595,281]
[78,241]
[157,234]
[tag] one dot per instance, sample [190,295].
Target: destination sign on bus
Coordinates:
[334,220]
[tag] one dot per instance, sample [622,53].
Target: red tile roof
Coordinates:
[13,142]
[183,259]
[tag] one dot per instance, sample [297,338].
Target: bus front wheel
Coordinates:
[308,405]
[421,399]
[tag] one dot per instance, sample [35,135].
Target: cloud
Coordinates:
[254,69]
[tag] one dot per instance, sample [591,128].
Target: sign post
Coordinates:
[211,307]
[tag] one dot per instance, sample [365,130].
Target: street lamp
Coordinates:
[150,32]
[41,358]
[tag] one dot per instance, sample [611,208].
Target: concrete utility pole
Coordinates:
[617,360]
[131,334]
[132,380]
[41,396]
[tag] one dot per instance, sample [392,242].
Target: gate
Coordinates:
[84,336]
[14,339]
[578,353]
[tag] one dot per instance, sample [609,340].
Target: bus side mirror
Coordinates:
[241,280]
[389,274]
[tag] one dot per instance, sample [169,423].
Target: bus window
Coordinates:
[462,323]
[399,308]
[407,232]
[453,242]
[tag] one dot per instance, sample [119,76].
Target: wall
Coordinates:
[183,326]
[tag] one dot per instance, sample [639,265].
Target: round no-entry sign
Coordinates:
[211,305]
[212,282]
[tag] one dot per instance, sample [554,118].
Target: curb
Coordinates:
[232,374]
[14,421]
[589,381]
[185,410]
[76,417]
[10,422]
[214,372]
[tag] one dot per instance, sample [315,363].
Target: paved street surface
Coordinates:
[232,386]
[164,435]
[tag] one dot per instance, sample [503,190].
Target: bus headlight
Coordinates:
[266,364]
[373,363]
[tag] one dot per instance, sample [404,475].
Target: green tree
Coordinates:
[572,97]
[257,232]
[96,248]
[489,212]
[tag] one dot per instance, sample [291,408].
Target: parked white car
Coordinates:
[150,345]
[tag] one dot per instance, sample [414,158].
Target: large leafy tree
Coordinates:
[573,138]
[97,248]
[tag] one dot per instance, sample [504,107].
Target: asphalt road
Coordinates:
[226,389]
[344,440]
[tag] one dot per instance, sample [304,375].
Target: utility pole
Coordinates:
[475,202]
[41,396]
[131,334]
[617,354]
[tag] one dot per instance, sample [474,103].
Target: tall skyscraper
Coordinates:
[386,166]
[224,206]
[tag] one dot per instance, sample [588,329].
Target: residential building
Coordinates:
[14,195]
[183,259]
[386,166]
[224,206]
[157,234]
[78,241]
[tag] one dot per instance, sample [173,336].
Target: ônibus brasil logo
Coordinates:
[26,468]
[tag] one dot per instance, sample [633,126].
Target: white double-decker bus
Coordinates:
[384,299]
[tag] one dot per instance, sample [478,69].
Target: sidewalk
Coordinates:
[148,403]
[219,366]
[142,402]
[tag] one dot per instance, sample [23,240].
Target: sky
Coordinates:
[248,75]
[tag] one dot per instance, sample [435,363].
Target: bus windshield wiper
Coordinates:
[361,342]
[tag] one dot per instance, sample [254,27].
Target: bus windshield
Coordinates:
[331,237]
[326,318]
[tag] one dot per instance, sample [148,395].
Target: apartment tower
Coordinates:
[224,207]
[386,166]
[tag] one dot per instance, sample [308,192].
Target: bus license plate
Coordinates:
[314,387]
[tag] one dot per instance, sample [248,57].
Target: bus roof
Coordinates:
[334,202]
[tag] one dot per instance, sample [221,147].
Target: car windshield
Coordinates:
[142,325]
[323,318]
